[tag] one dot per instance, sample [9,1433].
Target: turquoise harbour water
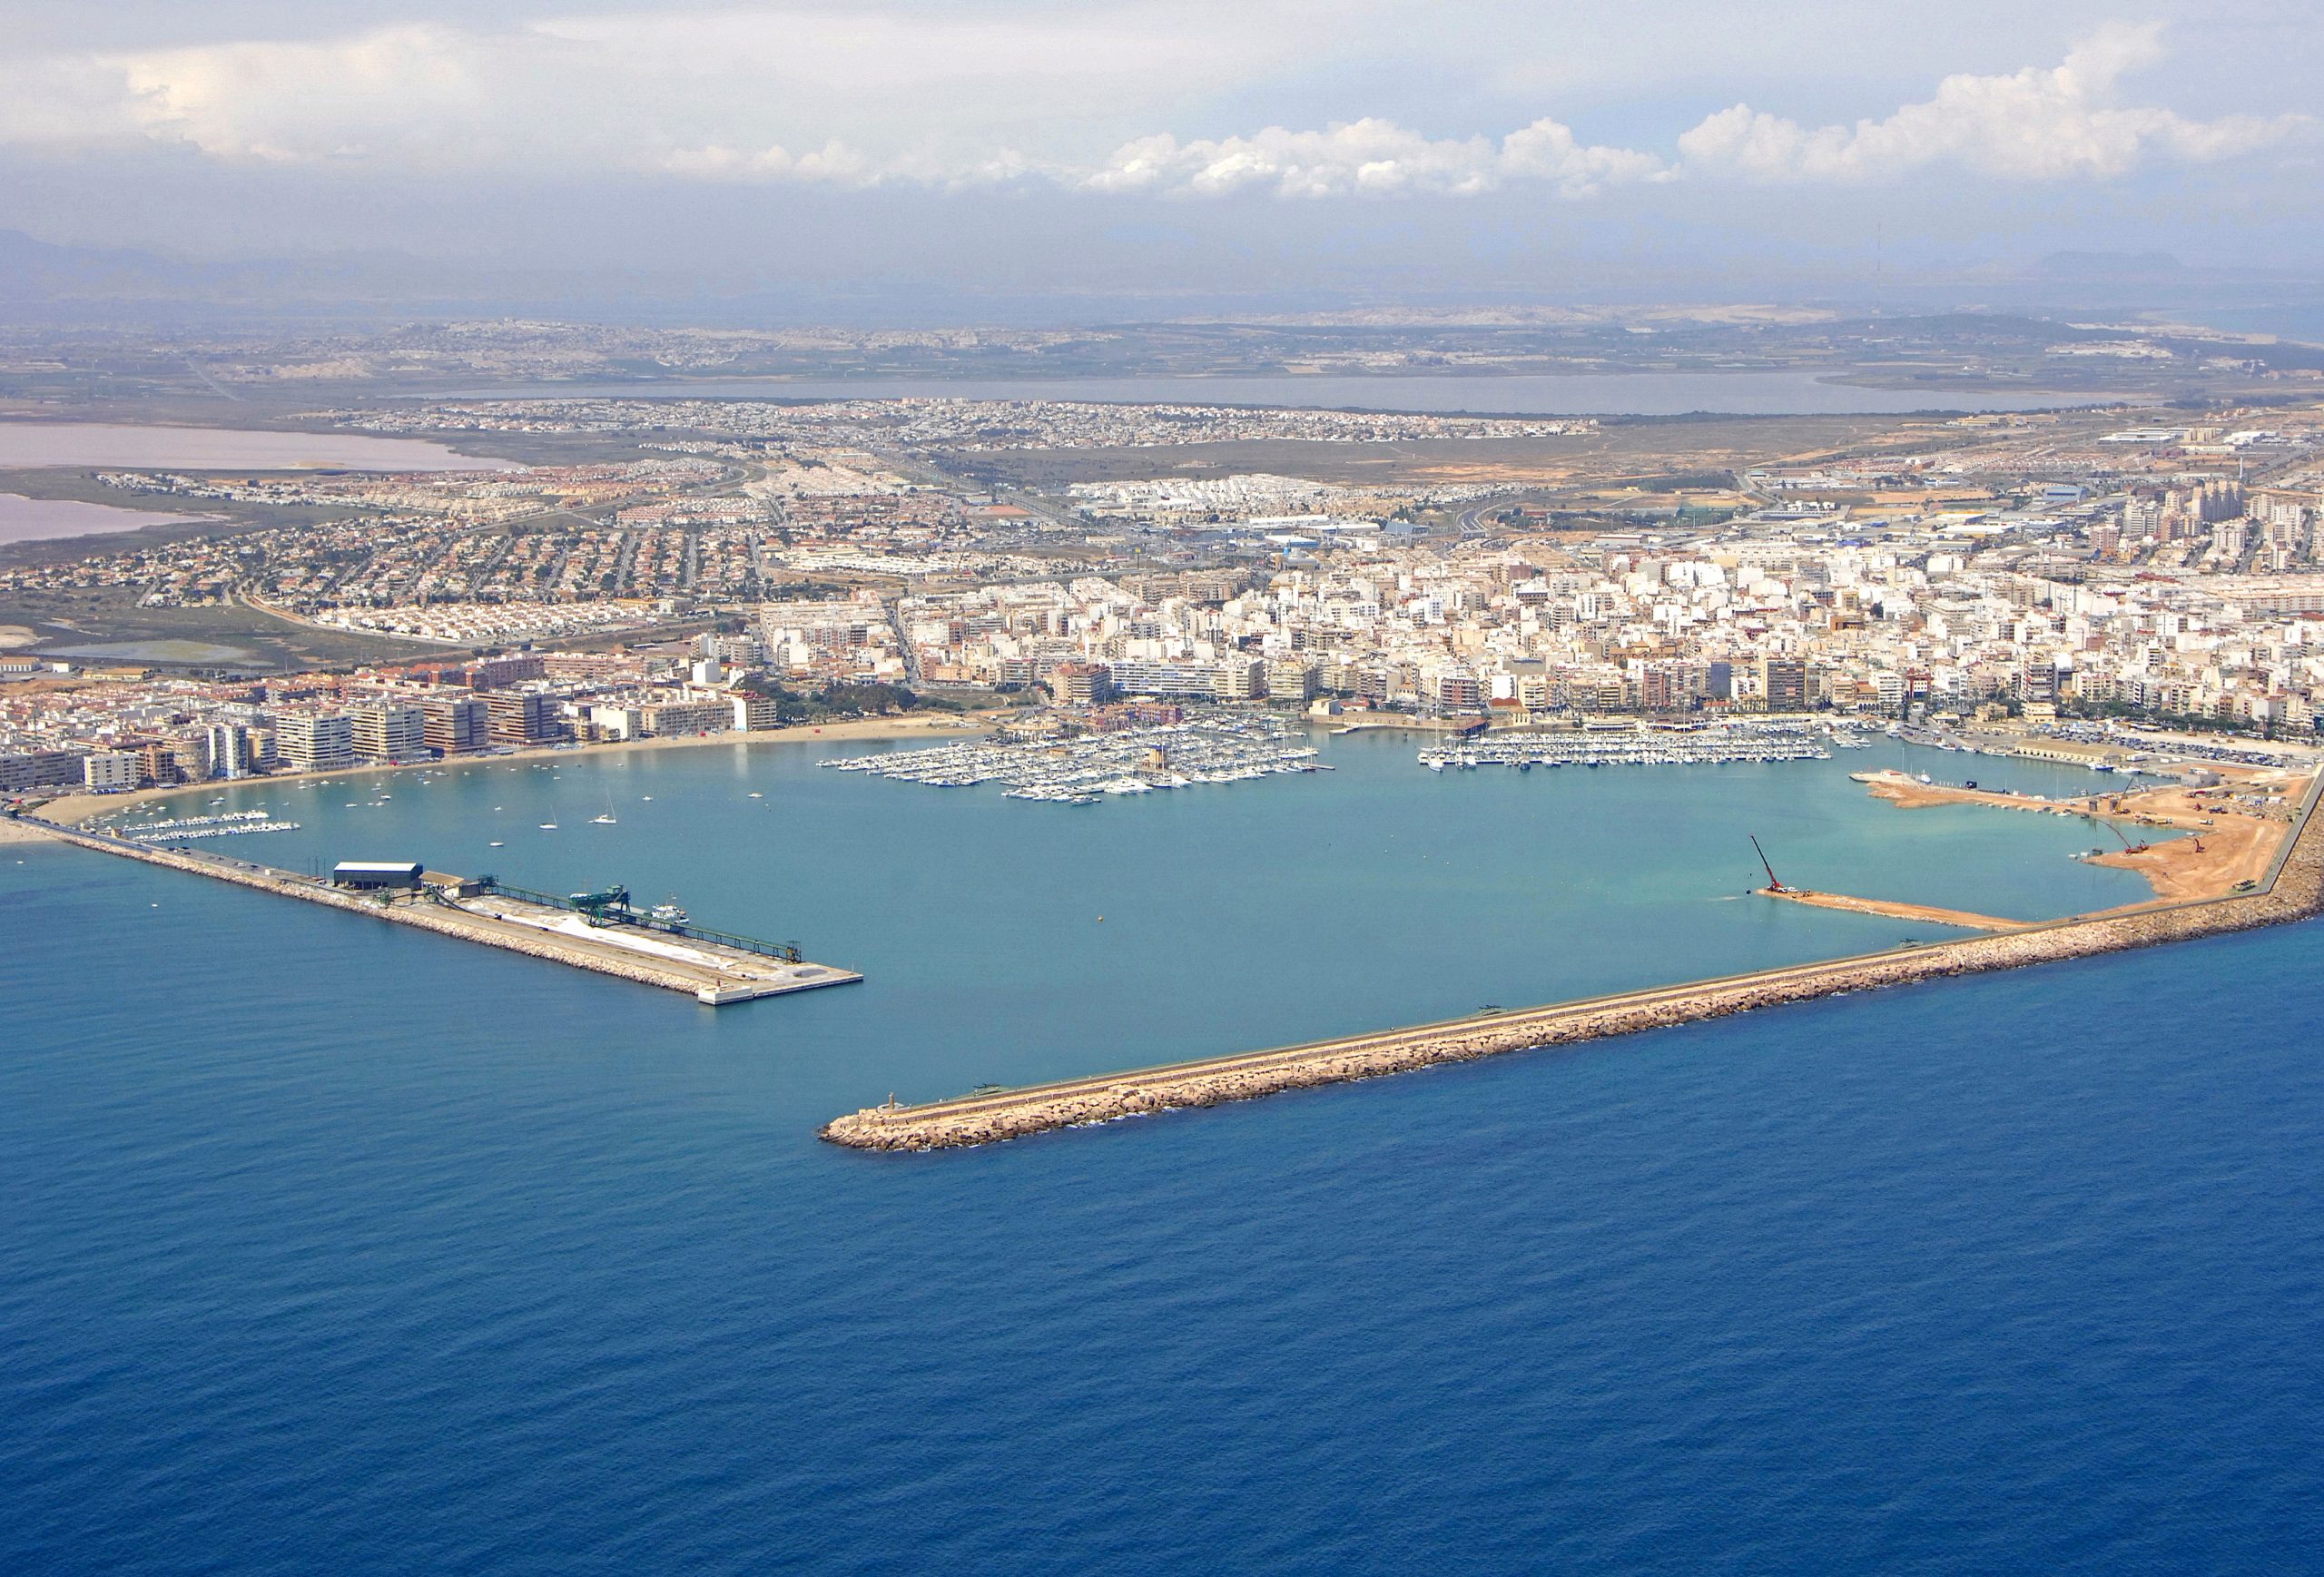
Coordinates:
[336,1245]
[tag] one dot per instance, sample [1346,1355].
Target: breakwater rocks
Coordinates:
[2295,892]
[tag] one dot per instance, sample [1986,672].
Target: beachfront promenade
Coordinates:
[2292,889]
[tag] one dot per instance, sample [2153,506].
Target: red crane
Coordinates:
[1775,883]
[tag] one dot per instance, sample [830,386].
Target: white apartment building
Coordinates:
[315,741]
[388,731]
[109,772]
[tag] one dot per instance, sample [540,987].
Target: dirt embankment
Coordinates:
[2225,843]
[2207,863]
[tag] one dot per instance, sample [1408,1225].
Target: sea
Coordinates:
[335,1246]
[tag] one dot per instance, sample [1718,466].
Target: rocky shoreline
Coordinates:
[2295,892]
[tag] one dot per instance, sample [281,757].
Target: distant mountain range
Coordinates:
[43,284]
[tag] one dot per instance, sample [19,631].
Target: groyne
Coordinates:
[2293,890]
[706,970]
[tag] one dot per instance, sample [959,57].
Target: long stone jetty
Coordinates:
[2293,889]
[709,970]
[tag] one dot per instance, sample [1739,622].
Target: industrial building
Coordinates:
[377,875]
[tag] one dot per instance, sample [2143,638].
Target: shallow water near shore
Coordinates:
[337,1244]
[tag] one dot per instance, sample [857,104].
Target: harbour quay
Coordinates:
[599,931]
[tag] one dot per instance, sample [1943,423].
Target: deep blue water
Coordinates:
[336,1247]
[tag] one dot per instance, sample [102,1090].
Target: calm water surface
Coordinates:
[200,449]
[24,519]
[1565,394]
[333,1245]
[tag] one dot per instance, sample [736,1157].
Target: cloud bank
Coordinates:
[2034,124]
[855,100]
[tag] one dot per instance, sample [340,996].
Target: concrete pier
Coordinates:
[709,971]
[2293,889]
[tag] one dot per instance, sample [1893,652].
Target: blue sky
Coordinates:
[1378,138]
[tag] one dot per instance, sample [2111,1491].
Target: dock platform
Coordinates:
[714,970]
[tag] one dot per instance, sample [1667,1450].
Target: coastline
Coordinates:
[76,808]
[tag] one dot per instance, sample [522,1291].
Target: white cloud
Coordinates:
[835,164]
[1368,156]
[394,92]
[869,92]
[574,92]
[2034,124]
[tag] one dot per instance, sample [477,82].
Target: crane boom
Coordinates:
[1775,883]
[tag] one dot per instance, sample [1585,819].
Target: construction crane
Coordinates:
[2128,847]
[1775,883]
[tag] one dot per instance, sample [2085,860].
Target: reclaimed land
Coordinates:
[2293,889]
[1891,909]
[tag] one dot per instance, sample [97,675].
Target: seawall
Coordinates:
[2294,890]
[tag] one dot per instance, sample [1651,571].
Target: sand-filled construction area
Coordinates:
[2226,841]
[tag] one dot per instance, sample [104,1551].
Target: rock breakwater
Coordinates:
[2293,890]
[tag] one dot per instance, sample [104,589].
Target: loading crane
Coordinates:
[607,906]
[610,906]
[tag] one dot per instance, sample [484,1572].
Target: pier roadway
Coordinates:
[709,971]
[2292,889]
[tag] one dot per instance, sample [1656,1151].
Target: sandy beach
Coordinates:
[73,809]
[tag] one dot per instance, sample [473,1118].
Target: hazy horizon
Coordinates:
[898,160]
